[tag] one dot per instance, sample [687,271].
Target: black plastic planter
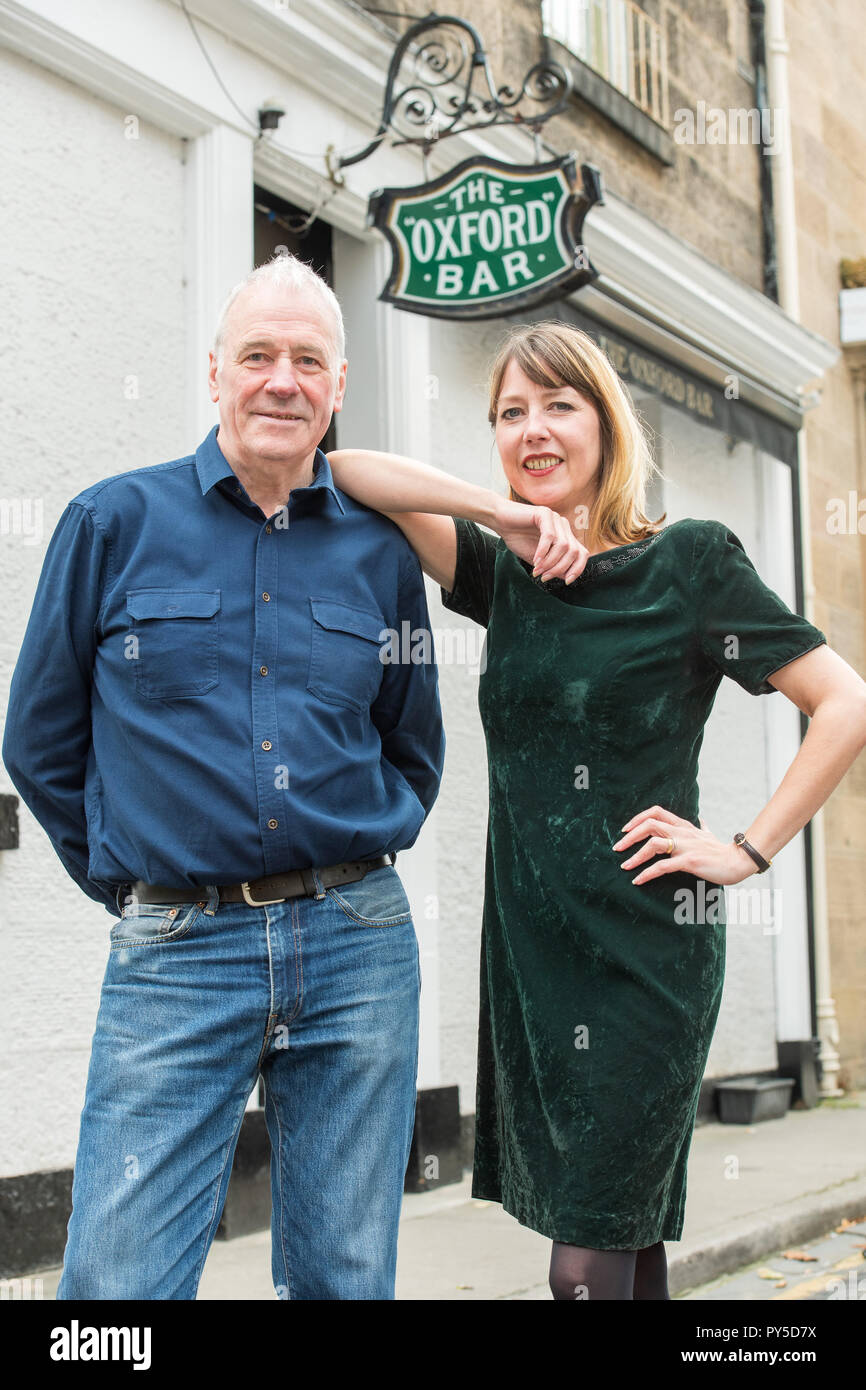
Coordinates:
[750,1099]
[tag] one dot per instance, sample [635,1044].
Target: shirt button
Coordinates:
[266,597]
[267,745]
[267,530]
[272,824]
[263,670]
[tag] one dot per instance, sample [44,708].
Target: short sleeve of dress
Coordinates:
[472,594]
[744,628]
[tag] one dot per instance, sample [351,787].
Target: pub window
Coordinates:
[618,40]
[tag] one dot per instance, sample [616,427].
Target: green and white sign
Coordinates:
[487,237]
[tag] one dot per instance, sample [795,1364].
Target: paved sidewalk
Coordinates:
[752,1190]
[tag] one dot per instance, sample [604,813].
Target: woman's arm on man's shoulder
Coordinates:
[434,540]
[422,501]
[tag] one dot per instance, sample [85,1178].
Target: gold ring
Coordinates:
[671,846]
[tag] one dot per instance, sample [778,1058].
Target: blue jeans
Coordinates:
[319,996]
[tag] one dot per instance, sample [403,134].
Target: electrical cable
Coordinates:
[306,154]
[210,64]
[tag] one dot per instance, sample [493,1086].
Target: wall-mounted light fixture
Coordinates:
[270,115]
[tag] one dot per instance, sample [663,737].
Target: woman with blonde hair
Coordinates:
[598,1001]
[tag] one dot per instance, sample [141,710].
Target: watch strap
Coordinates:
[762,863]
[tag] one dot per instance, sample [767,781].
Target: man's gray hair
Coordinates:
[288,273]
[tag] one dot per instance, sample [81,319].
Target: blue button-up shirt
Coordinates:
[205,695]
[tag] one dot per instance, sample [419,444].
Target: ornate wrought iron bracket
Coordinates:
[451,89]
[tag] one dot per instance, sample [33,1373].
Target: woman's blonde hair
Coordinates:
[556,354]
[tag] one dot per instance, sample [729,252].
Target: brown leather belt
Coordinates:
[294,884]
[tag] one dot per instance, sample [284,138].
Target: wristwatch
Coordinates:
[762,863]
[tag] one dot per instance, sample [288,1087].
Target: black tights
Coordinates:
[577,1273]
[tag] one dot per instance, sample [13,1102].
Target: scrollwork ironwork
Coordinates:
[449,88]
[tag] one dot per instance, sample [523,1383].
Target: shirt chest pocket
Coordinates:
[345,644]
[175,651]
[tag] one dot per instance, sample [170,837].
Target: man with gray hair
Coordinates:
[201,722]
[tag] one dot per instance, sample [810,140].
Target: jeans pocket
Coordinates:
[176,641]
[345,654]
[148,924]
[377,900]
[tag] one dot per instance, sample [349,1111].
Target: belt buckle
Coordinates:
[257,902]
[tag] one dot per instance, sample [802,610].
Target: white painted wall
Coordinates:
[461,442]
[91,264]
[791,939]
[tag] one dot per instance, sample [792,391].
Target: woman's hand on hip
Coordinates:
[684,847]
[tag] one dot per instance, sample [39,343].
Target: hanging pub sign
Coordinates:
[487,237]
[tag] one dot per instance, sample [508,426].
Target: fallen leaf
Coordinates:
[797,1255]
[769,1273]
[857,1221]
[465,1286]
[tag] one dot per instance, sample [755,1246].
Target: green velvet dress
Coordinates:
[599,997]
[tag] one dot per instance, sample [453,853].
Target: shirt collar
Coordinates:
[212,466]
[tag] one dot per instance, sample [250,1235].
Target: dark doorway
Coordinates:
[276,224]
